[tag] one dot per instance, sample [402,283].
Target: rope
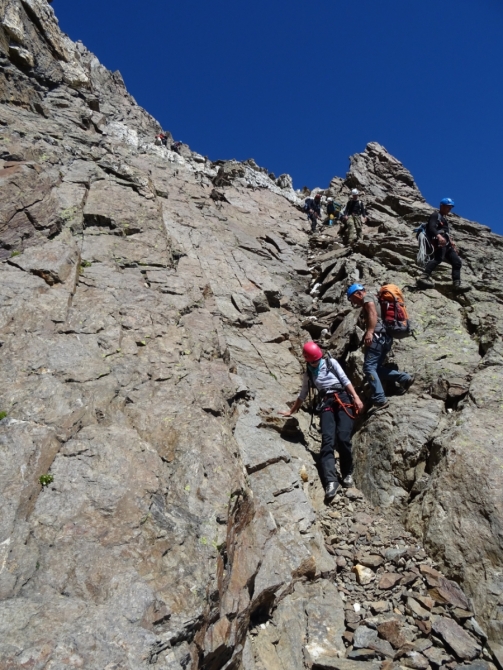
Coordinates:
[426,251]
[345,406]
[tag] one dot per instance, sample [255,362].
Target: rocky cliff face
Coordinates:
[152,310]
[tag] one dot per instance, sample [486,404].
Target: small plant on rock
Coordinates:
[45,480]
[3,415]
[15,253]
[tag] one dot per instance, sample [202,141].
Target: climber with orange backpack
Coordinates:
[338,406]
[383,319]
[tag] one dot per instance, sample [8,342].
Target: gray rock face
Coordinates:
[152,310]
[434,453]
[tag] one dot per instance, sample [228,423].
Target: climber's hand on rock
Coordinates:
[294,408]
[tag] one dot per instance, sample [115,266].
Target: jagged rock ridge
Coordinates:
[152,309]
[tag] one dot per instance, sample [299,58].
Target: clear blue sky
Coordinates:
[299,86]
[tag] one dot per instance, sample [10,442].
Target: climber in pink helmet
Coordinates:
[337,406]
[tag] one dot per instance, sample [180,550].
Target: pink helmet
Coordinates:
[312,352]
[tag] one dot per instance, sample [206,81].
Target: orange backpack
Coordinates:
[393,311]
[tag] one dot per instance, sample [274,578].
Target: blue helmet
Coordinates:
[354,288]
[447,201]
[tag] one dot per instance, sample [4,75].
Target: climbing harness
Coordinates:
[426,248]
[321,406]
[345,406]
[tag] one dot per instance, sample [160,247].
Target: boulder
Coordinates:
[56,261]
[457,639]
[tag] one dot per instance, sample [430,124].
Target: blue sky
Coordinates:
[300,86]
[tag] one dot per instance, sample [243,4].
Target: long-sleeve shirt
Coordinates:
[437,224]
[312,206]
[324,379]
[354,207]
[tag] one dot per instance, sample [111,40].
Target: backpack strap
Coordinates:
[330,368]
[328,362]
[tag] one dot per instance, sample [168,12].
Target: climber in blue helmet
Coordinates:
[354,288]
[377,343]
[440,237]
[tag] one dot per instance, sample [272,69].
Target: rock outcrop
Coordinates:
[155,507]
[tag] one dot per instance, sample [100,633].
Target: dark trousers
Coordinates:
[336,428]
[314,220]
[450,256]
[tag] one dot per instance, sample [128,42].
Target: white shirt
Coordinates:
[325,379]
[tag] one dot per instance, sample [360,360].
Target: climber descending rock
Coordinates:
[175,146]
[439,236]
[161,139]
[312,207]
[333,212]
[354,215]
[338,404]
[378,342]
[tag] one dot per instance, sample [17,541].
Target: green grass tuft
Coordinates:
[45,480]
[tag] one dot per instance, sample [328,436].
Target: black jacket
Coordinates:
[437,224]
[311,205]
[355,207]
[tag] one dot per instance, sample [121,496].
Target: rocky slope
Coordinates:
[151,318]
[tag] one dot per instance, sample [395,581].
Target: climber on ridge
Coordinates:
[444,249]
[162,138]
[175,146]
[333,211]
[312,207]
[354,215]
[338,405]
[378,344]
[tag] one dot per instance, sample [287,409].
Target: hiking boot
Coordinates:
[461,288]
[405,386]
[348,481]
[331,490]
[381,405]
[425,281]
